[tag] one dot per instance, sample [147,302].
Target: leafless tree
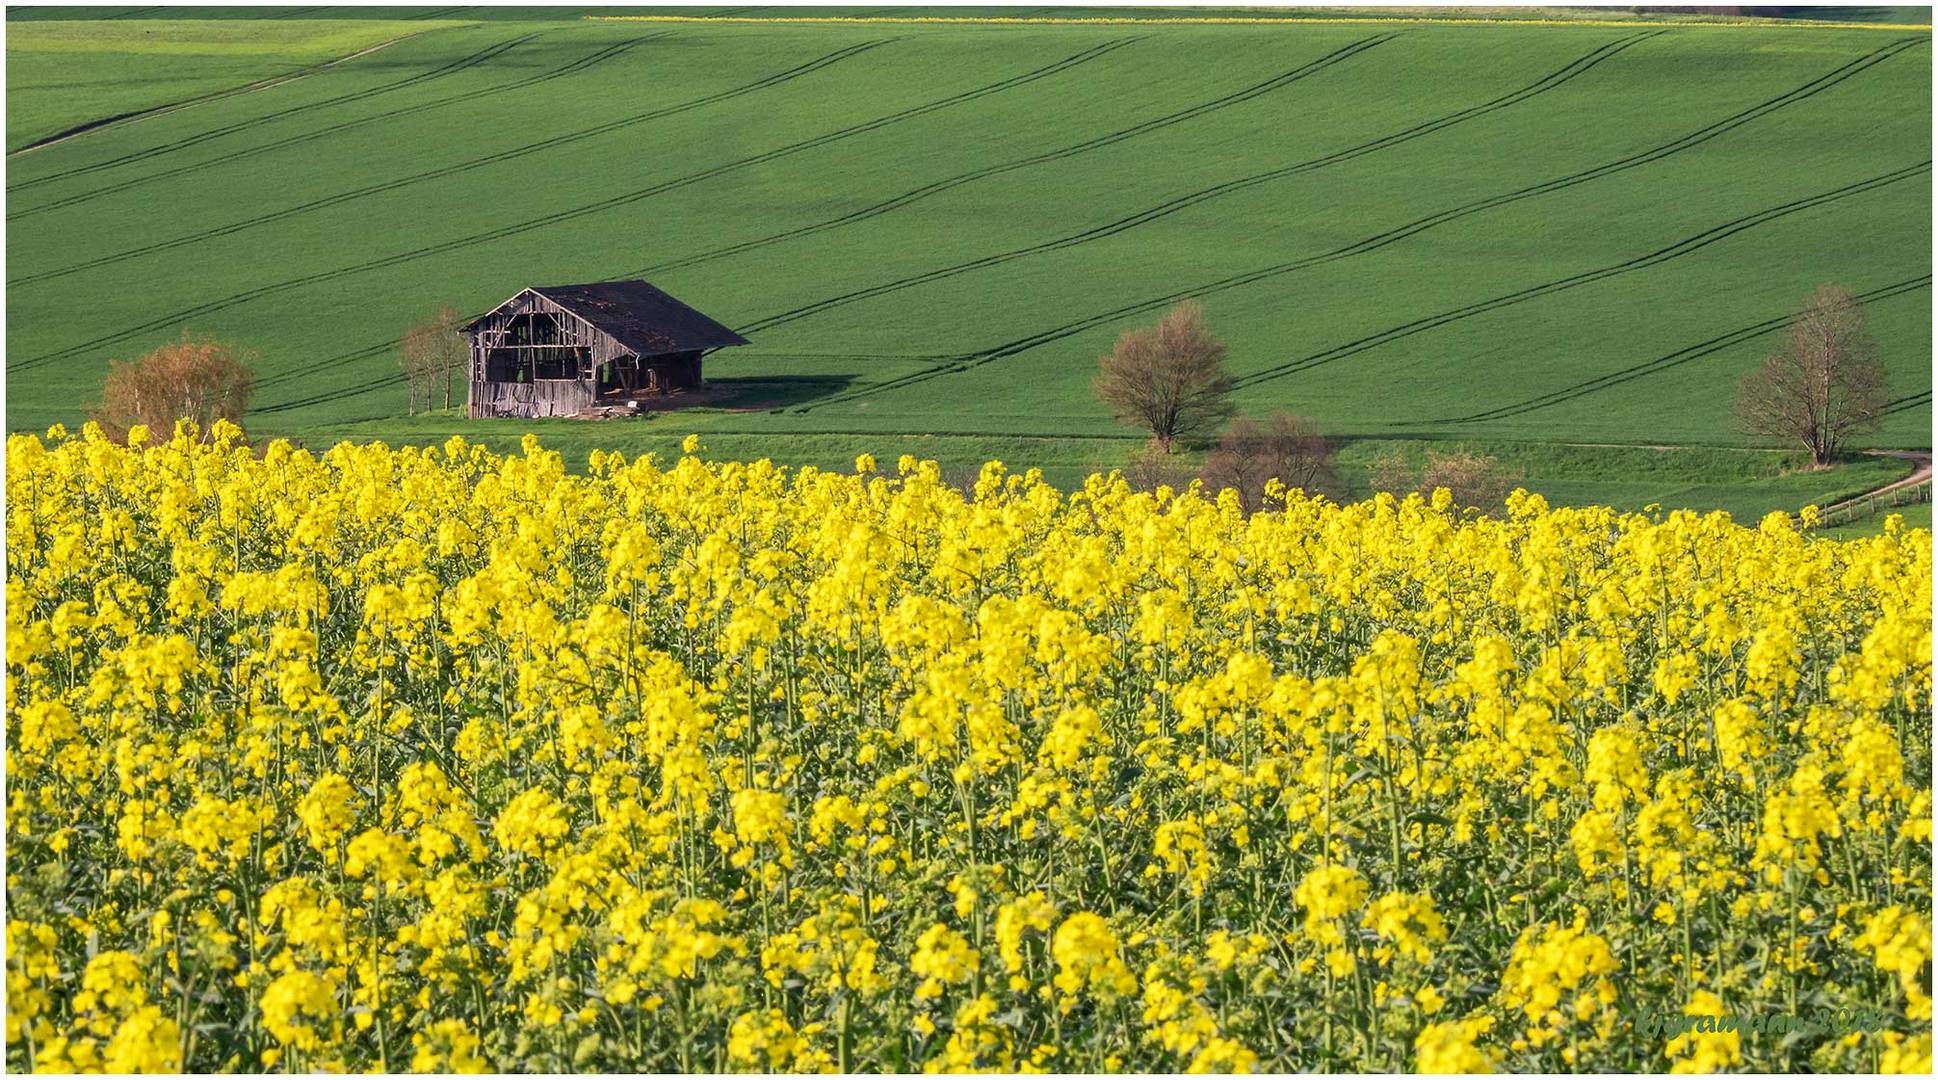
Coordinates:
[416,380]
[1154,467]
[1824,383]
[433,355]
[1285,447]
[1391,472]
[1473,479]
[1168,379]
[196,379]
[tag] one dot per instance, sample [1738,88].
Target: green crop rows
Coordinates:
[1510,236]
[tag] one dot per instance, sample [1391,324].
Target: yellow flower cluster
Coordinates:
[436,759]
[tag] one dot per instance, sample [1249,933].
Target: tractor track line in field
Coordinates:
[339,393]
[1686,246]
[516,152]
[1097,143]
[573,213]
[760,84]
[1671,360]
[482,56]
[1909,401]
[153,111]
[573,68]
[466,166]
[1124,224]
[513,153]
[375,350]
[965,361]
[342,394]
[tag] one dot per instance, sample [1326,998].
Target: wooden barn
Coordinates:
[567,350]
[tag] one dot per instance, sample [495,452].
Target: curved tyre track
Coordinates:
[200,99]
[541,146]
[1097,143]
[1686,246]
[336,393]
[1675,359]
[482,56]
[573,68]
[175,318]
[1203,195]
[1909,401]
[334,362]
[966,361]
[709,99]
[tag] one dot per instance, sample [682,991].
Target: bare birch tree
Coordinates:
[1168,379]
[434,354]
[1823,384]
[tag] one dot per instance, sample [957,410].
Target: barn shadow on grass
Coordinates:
[753,393]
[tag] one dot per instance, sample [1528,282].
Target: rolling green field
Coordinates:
[1509,236]
[65,74]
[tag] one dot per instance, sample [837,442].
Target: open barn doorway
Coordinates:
[623,377]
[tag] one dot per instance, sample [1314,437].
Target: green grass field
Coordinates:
[1507,236]
[63,74]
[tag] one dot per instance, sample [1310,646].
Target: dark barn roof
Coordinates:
[638,316]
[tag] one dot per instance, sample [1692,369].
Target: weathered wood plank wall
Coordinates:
[547,397]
